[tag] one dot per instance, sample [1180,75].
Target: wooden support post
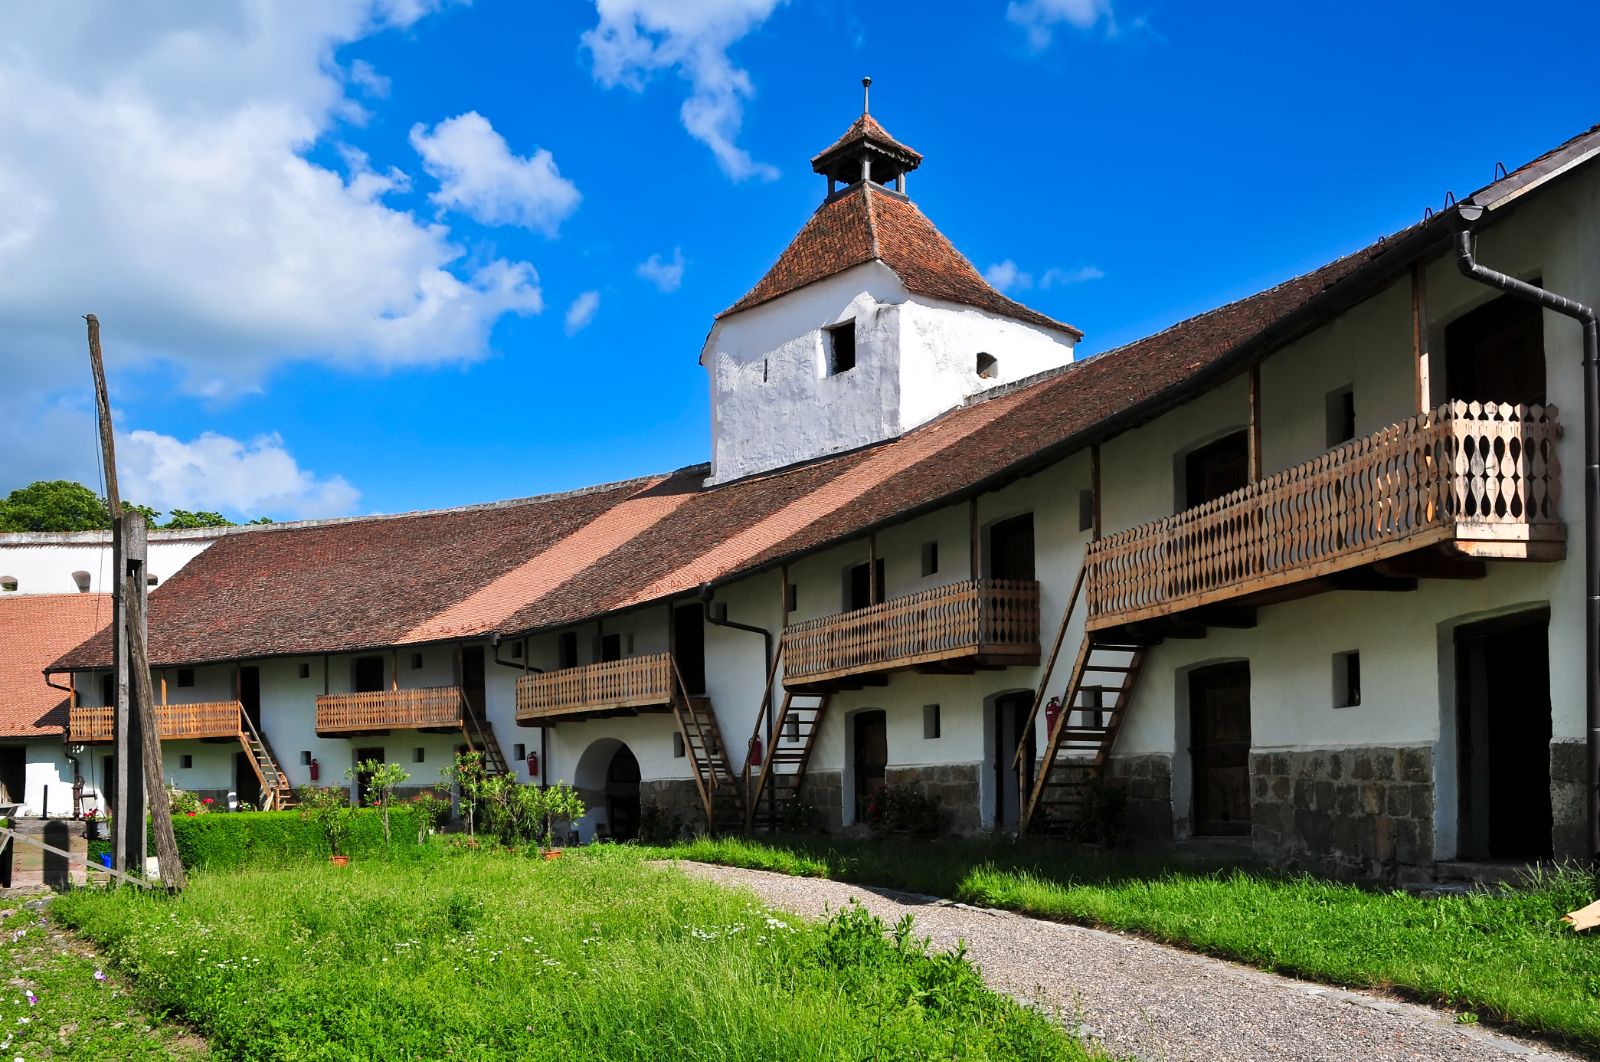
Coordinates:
[974,546]
[1255,422]
[394,671]
[783,596]
[1419,338]
[874,591]
[1094,491]
[326,689]
[163,687]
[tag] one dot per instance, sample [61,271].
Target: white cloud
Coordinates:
[1040,17]
[666,276]
[239,479]
[582,311]
[1008,276]
[166,185]
[635,38]
[365,76]
[479,176]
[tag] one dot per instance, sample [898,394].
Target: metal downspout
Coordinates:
[707,593]
[1590,321]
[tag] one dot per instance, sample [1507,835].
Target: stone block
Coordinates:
[1416,765]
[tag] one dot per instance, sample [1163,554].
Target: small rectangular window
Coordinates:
[677,746]
[416,661]
[305,670]
[791,597]
[186,676]
[1347,679]
[930,722]
[186,762]
[420,755]
[1086,510]
[930,558]
[516,652]
[840,344]
[1341,411]
[305,758]
[519,752]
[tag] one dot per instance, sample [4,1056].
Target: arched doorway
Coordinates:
[607,777]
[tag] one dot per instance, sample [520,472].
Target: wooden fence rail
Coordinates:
[1483,472]
[636,682]
[432,706]
[91,725]
[978,617]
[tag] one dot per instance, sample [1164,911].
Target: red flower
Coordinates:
[189,813]
[207,800]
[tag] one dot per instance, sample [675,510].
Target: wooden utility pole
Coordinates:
[136,728]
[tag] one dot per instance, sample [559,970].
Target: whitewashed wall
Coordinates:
[45,563]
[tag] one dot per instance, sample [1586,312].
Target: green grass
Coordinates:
[1504,957]
[72,1013]
[496,956]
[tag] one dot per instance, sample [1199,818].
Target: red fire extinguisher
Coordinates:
[533,765]
[755,751]
[1052,712]
[315,773]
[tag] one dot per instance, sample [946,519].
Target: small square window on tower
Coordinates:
[1347,679]
[839,348]
[988,366]
[930,558]
[930,722]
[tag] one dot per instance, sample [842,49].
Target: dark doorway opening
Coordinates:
[1011,728]
[689,645]
[567,649]
[1215,469]
[13,773]
[246,786]
[1219,748]
[1496,353]
[1011,548]
[622,795]
[472,681]
[1503,738]
[870,734]
[610,647]
[363,778]
[366,674]
[863,585]
[250,695]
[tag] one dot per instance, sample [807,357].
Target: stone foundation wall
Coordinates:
[953,785]
[1351,813]
[677,797]
[824,790]
[1148,782]
[1569,771]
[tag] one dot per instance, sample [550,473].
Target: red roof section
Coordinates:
[866,130]
[35,629]
[867,223]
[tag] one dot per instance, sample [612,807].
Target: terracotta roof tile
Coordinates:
[35,629]
[866,223]
[865,130]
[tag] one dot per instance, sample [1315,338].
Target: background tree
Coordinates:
[181,519]
[54,505]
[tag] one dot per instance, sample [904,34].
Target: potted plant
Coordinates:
[91,824]
[328,809]
[558,804]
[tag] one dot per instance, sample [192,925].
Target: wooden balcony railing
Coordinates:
[614,685]
[434,706]
[208,719]
[981,622]
[1484,478]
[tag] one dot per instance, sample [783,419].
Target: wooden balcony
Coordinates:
[434,707]
[1464,481]
[963,627]
[614,687]
[174,722]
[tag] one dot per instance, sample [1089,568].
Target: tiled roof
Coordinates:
[35,629]
[866,130]
[866,223]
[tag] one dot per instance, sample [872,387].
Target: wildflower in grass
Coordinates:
[33,1000]
[99,975]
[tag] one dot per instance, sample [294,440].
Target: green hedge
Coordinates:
[237,839]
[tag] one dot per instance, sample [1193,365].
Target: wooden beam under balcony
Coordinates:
[612,687]
[174,722]
[963,627]
[430,708]
[1433,496]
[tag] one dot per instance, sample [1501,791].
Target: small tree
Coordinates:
[556,804]
[329,810]
[468,773]
[381,781]
[431,808]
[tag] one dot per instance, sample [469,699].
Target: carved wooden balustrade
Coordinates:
[982,622]
[433,706]
[613,685]
[207,719]
[1483,478]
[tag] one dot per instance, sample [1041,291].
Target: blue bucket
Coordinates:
[105,860]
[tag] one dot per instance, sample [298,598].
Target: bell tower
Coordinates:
[866,154]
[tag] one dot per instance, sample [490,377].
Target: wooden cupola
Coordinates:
[866,152]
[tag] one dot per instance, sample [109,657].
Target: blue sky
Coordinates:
[336,254]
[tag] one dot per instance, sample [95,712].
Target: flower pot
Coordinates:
[552,853]
[339,860]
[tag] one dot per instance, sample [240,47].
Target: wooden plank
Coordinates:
[1421,369]
[1254,442]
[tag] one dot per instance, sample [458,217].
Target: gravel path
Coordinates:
[1151,1001]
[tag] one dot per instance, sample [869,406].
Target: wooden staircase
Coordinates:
[478,733]
[276,792]
[708,756]
[783,770]
[1099,693]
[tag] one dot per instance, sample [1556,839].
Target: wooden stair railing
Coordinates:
[783,770]
[1079,743]
[478,733]
[276,792]
[707,753]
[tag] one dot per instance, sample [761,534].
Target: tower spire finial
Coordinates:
[866,90]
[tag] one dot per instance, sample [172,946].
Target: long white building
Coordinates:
[1307,569]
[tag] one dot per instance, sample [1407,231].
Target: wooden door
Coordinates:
[366,674]
[13,773]
[689,645]
[1010,729]
[1215,469]
[472,680]
[1011,548]
[250,695]
[871,734]
[863,585]
[1496,353]
[1219,748]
